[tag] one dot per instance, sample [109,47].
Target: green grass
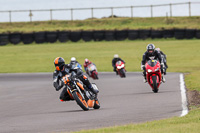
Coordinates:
[183,56]
[187,124]
[103,24]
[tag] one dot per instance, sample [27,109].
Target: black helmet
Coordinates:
[59,62]
[150,47]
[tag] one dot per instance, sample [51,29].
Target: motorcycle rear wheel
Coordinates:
[80,101]
[155,89]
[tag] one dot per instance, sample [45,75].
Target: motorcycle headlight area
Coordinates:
[149,70]
[118,67]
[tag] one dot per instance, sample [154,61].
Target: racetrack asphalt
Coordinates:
[29,103]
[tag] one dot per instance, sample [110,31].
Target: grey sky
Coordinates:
[54,4]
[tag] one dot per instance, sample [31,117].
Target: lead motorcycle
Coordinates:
[92,71]
[153,74]
[121,69]
[80,93]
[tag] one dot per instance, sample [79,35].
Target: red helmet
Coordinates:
[59,63]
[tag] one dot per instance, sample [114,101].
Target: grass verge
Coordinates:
[187,124]
[103,24]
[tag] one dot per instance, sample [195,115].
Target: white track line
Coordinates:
[183,96]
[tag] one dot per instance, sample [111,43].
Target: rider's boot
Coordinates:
[163,79]
[145,80]
[116,72]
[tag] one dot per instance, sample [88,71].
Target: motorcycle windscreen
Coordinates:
[152,63]
[91,67]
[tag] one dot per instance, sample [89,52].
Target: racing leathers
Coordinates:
[164,57]
[114,63]
[86,64]
[58,84]
[148,56]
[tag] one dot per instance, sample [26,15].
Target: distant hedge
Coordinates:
[96,35]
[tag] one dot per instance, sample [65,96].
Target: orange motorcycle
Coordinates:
[80,93]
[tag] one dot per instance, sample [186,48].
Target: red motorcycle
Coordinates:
[92,71]
[153,74]
[121,69]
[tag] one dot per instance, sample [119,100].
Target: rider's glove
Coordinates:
[142,67]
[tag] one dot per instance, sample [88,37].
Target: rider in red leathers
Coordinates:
[86,64]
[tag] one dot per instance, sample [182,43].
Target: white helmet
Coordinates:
[116,56]
[86,60]
[73,59]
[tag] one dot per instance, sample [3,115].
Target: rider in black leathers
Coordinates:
[151,53]
[61,70]
[114,60]
[164,58]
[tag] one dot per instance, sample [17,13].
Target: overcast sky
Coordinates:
[56,4]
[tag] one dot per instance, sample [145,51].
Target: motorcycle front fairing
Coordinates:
[153,69]
[92,68]
[120,65]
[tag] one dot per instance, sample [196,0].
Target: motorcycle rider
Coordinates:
[74,61]
[114,60]
[86,64]
[164,57]
[61,70]
[148,55]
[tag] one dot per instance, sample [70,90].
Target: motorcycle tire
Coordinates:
[155,89]
[96,104]
[122,73]
[96,76]
[79,100]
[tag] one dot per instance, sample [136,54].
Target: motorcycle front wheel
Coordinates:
[122,73]
[80,101]
[95,76]
[155,88]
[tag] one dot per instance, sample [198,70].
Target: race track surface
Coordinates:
[29,103]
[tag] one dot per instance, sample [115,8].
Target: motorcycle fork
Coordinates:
[69,92]
[150,77]
[78,89]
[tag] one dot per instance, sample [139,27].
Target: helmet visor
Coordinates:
[150,50]
[59,68]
